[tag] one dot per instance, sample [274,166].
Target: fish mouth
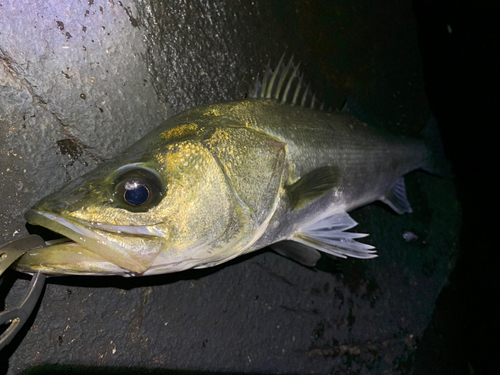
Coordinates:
[132,249]
[64,257]
[78,226]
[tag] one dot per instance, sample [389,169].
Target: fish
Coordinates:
[222,180]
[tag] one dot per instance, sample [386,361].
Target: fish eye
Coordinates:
[138,188]
[136,194]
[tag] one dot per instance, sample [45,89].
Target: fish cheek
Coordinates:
[202,214]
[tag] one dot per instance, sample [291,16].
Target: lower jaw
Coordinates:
[67,258]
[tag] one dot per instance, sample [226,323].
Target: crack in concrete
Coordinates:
[273,274]
[8,63]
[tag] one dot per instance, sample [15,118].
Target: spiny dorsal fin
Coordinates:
[278,83]
[297,90]
[273,78]
[304,96]
[327,233]
[289,83]
[312,186]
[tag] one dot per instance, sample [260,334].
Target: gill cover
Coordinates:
[252,165]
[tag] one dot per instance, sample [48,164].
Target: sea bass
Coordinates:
[222,180]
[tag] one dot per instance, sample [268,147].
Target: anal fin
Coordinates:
[396,198]
[297,251]
[327,233]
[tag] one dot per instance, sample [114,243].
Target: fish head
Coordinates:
[189,196]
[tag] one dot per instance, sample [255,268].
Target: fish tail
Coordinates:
[437,163]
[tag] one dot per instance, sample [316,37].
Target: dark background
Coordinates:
[400,61]
[462,77]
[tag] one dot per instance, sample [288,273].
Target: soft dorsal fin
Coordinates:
[278,83]
[312,186]
[297,251]
[327,233]
[396,198]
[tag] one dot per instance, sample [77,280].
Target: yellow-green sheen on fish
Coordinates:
[222,180]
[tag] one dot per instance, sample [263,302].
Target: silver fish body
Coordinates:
[222,180]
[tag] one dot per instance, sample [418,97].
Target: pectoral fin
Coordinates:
[327,233]
[312,186]
[396,198]
[297,251]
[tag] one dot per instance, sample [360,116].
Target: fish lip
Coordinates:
[121,256]
[54,223]
[76,260]
[78,225]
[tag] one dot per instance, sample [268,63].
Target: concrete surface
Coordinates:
[79,81]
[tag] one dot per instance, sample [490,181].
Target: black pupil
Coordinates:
[138,188]
[136,195]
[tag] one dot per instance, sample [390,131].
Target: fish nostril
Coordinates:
[58,205]
[52,205]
